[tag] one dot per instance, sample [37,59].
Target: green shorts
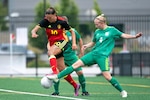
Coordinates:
[73,59]
[91,58]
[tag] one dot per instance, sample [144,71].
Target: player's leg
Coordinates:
[56,84]
[52,51]
[66,71]
[56,88]
[68,77]
[114,83]
[103,62]
[85,60]
[69,61]
[82,81]
[70,69]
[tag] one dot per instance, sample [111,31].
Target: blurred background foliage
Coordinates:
[3,14]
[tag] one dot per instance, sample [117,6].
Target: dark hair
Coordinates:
[50,10]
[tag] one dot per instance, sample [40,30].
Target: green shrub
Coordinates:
[40,63]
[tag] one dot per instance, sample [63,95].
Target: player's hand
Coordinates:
[34,35]
[138,35]
[84,47]
[74,47]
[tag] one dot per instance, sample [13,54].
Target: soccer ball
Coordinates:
[46,83]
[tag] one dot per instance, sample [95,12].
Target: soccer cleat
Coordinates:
[85,93]
[124,94]
[52,77]
[76,90]
[55,93]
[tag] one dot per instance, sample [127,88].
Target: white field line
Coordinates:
[38,94]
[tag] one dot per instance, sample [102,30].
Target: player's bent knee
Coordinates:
[79,72]
[107,75]
[52,56]
[77,64]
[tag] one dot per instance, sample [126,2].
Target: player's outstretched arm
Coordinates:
[80,48]
[128,36]
[74,45]
[88,45]
[34,30]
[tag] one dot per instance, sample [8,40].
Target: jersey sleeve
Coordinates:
[43,23]
[117,34]
[66,26]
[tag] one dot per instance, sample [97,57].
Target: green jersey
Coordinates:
[105,40]
[69,53]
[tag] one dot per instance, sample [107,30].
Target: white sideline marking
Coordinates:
[38,94]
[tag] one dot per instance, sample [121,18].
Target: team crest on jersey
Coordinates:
[49,26]
[59,26]
[107,33]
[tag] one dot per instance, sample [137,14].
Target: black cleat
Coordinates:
[55,93]
[85,93]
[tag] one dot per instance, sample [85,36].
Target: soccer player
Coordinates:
[70,57]
[55,27]
[103,43]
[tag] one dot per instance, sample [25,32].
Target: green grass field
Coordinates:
[27,88]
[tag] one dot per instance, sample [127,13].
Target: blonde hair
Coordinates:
[101,18]
[102,15]
[65,18]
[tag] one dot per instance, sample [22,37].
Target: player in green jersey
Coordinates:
[70,57]
[103,43]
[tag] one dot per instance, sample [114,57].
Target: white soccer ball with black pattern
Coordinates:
[46,83]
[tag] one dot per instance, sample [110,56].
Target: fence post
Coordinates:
[141,65]
[36,65]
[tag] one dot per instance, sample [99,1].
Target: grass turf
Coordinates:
[29,88]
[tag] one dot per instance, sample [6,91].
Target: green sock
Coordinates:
[81,79]
[65,72]
[56,86]
[116,84]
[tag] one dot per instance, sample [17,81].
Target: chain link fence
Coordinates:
[126,23]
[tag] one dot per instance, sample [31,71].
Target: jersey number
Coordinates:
[101,39]
[54,32]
